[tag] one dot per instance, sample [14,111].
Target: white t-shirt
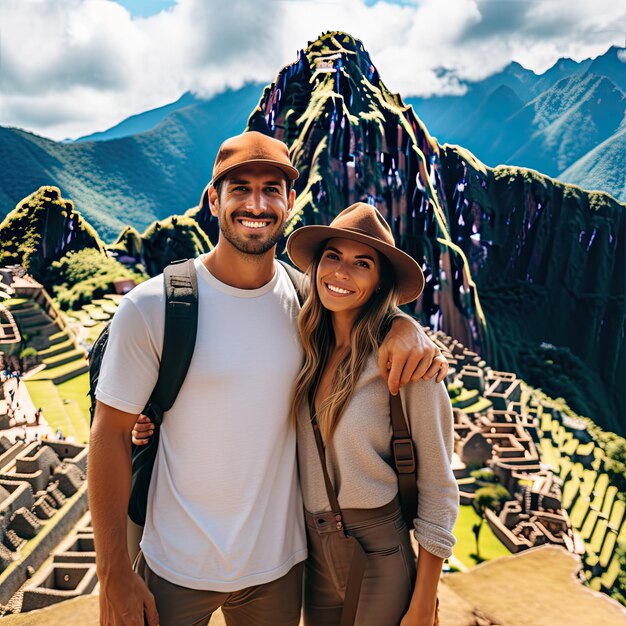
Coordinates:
[224,505]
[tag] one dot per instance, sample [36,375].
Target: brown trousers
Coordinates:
[276,603]
[389,574]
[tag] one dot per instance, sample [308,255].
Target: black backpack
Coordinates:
[181,324]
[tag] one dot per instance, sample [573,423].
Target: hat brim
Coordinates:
[291,172]
[304,243]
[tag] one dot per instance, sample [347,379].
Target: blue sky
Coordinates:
[146,8]
[97,62]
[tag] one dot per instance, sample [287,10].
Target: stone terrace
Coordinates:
[42,494]
[500,426]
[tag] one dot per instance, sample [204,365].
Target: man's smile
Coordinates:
[255,224]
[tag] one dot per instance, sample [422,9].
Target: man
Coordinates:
[224,524]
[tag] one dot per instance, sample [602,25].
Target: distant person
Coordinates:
[224,525]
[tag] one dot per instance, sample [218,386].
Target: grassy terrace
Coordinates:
[59,412]
[66,404]
[465,549]
[76,390]
[481,405]
[57,348]
[594,508]
[77,366]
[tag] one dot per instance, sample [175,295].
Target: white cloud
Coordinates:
[70,67]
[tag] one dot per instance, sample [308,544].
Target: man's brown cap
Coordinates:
[252,147]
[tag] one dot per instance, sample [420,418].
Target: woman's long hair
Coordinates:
[317,336]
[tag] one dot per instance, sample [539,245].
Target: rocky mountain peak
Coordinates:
[42,228]
[497,246]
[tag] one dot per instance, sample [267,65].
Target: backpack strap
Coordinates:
[179,338]
[297,278]
[404,460]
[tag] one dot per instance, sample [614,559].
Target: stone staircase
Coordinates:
[63,360]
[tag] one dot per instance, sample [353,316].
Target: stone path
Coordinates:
[25,415]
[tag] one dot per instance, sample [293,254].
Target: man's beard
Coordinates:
[250,245]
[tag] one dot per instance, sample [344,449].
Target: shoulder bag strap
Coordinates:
[404,459]
[330,490]
[179,339]
[358,557]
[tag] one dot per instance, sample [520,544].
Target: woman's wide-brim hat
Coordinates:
[360,222]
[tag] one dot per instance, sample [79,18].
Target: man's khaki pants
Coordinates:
[276,603]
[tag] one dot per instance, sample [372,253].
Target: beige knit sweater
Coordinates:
[360,462]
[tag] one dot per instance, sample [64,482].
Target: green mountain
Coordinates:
[151,164]
[564,122]
[603,167]
[131,180]
[142,122]
[41,229]
[545,122]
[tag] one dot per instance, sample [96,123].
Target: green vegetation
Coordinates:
[59,373]
[79,277]
[132,180]
[465,549]
[602,167]
[177,237]
[28,357]
[76,390]
[59,412]
[482,404]
[128,243]
[484,474]
[42,228]
[591,494]
[492,496]
[616,572]
[465,397]
[615,450]
[455,388]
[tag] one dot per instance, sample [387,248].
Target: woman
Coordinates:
[358,277]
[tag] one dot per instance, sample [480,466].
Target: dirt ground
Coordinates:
[537,588]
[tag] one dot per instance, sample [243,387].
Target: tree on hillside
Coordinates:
[29,357]
[491,497]
[41,229]
[483,475]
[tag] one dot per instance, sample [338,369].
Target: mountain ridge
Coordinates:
[518,140]
[501,247]
[141,122]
